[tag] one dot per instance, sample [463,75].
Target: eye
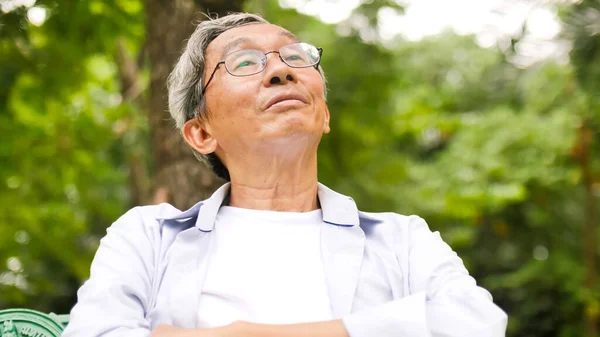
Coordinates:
[245,63]
[294,57]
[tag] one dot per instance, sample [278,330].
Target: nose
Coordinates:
[277,72]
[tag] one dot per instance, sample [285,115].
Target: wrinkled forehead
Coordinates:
[260,36]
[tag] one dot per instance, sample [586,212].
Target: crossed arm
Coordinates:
[244,329]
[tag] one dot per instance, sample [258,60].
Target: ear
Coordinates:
[199,136]
[326,127]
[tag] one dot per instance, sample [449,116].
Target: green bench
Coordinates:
[31,323]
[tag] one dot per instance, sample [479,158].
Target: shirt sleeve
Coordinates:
[113,302]
[444,301]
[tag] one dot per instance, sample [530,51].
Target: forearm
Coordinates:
[246,329]
[165,330]
[314,329]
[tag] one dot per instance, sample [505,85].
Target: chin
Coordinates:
[291,122]
[296,131]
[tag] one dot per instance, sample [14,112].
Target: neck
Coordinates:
[276,184]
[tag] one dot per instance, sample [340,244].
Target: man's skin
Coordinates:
[270,152]
[245,329]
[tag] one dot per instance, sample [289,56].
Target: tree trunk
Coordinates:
[178,178]
[584,144]
[131,92]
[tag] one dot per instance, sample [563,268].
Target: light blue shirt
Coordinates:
[386,274]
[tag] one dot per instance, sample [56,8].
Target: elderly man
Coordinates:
[272,252]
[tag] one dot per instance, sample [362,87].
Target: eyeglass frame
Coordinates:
[316,65]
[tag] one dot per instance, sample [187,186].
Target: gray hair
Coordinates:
[185,83]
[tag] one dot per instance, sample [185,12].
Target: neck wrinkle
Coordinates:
[281,197]
[278,181]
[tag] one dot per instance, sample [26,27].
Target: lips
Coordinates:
[285,97]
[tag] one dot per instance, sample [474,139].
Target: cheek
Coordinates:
[234,96]
[233,108]
[317,86]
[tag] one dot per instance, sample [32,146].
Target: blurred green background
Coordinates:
[492,135]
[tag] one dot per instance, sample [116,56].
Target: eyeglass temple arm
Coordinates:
[320,54]
[211,76]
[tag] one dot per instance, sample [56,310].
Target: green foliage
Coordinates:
[484,150]
[63,172]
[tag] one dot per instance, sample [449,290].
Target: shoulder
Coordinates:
[159,211]
[410,237]
[392,221]
[145,219]
[402,229]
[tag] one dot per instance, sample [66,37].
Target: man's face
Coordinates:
[241,116]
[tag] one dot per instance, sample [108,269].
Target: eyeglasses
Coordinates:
[248,62]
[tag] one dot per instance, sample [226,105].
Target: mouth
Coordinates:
[285,100]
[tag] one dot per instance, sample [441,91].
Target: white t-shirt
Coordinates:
[265,267]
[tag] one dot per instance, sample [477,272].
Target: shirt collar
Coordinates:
[338,209]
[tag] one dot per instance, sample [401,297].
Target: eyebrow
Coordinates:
[289,35]
[241,40]
[231,45]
